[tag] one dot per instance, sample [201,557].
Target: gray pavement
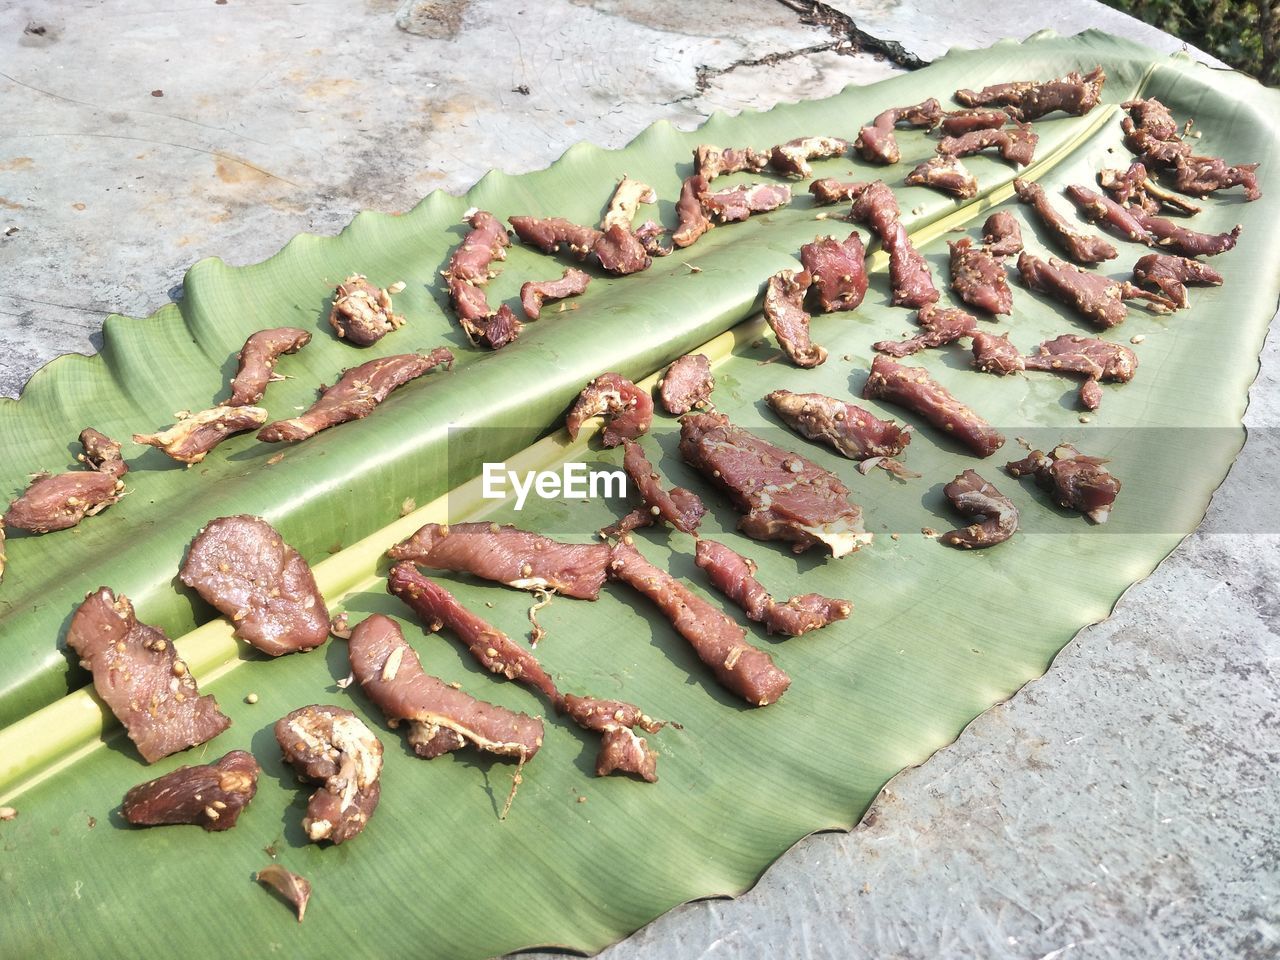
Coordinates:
[1122,806]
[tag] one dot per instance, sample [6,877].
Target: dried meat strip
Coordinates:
[1202,175]
[784,310]
[996,516]
[242,567]
[535,293]
[628,410]
[621,750]
[978,277]
[1080,247]
[792,158]
[138,674]
[712,162]
[616,249]
[782,495]
[472,261]
[1116,218]
[827,191]
[946,174]
[1076,481]
[960,122]
[846,428]
[679,507]
[941,325]
[1171,274]
[735,576]
[876,142]
[1001,234]
[60,501]
[1094,296]
[356,394]
[195,434]
[914,389]
[1095,360]
[996,355]
[739,203]
[691,219]
[1074,94]
[1134,187]
[719,642]
[506,554]
[210,795]
[1174,238]
[332,746]
[838,270]
[362,313]
[257,362]
[1016,145]
[1151,132]
[687,384]
[909,277]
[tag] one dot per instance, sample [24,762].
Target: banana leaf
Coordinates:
[936,637]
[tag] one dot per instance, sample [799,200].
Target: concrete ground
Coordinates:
[1122,806]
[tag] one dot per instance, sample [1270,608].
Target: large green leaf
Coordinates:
[937,636]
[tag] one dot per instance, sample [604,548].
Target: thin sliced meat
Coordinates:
[486,241]
[1001,234]
[978,277]
[846,428]
[535,293]
[909,277]
[257,362]
[827,191]
[195,434]
[1086,357]
[1171,274]
[1171,237]
[792,158]
[691,220]
[1081,247]
[549,234]
[60,501]
[876,142]
[628,410]
[1075,481]
[687,384]
[913,389]
[838,270]
[784,310]
[960,122]
[1094,296]
[621,750]
[1203,175]
[679,507]
[711,162]
[941,325]
[739,203]
[946,174]
[1016,145]
[1075,94]
[1134,187]
[1110,214]
[210,795]
[996,355]
[995,515]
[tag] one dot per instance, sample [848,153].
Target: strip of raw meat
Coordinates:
[441,718]
[1080,247]
[735,576]
[1119,220]
[1095,297]
[996,355]
[1073,94]
[691,219]
[712,162]
[257,360]
[620,252]
[1086,357]
[838,271]
[738,203]
[536,292]
[1076,481]
[139,675]
[914,389]
[620,748]
[960,122]
[243,568]
[1001,234]
[687,384]
[487,241]
[1178,239]
[548,234]
[210,795]
[719,642]
[509,555]
[792,158]
[979,278]
[627,197]
[492,648]
[628,410]
[679,507]
[101,453]
[1134,187]
[333,746]
[1016,145]
[975,498]
[827,191]
[1171,274]
[1202,175]
[782,495]
[846,428]
[362,313]
[356,394]
[1153,118]
[784,310]
[909,277]
[946,174]
[60,501]
[195,434]
[942,325]
[876,142]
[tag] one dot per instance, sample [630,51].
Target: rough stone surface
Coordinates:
[1122,806]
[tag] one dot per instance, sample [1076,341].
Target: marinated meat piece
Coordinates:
[627,409]
[243,568]
[909,275]
[1016,145]
[1080,247]
[1187,243]
[60,501]
[827,191]
[1171,274]
[210,795]
[627,197]
[1153,118]
[472,307]
[497,331]
[101,453]
[472,261]
[838,270]
[534,293]
[1073,94]
[942,325]
[441,718]
[975,498]
[138,674]
[332,746]
[1091,394]
[960,122]
[509,555]
[783,495]
[679,507]
[979,278]
[876,142]
[651,236]
[492,648]
[469,269]
[784,310]
[1086,357]
[1095,297]
[620,252]
[1114,217]
[1134,187]
[735,576]
[362,313]
[1076,481]
[914,389]
[620,748]
[946,174]
[992,354]
[1202,175]
[711,162]
[356,394]
[847,429]
[258,359]
[195,434]
[792,158]
[738,203]
[1001,234]
[548,234]
[687,384]
[691,219]
[294,888]
[719,642]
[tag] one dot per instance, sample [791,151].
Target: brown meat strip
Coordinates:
[914,389]
[838,270]
[712,162]
[241,566]
[356,394]
[210,795]
[1112,215]
[1076,481]
[946,174]
[1171,274]
[691,219]
[876,142]
[628,410]
[792,158]
[362,313]
[487,241]
[550,233]
[960,122]
[621,749]
[1086,357]
[535,293]
[739,203]
[1073,94]
[979,278]
[996,355]
[332,746]
[1016,145]
[1092,295]
[257,360]
[506,554]
[620,252]
[784,310]
[735,576]
[1001,234]
[909,276]
[679,507]
[1133,186]
[846,428]
[1173,238]
[942,325]
[60,501]
[138,674]
[975,498]
[719,642]
[687,384]
[440,717]
[1201,175]
[1080,247]
[827,191]
[195,434]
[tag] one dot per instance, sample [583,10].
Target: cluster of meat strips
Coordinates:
[836,276]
